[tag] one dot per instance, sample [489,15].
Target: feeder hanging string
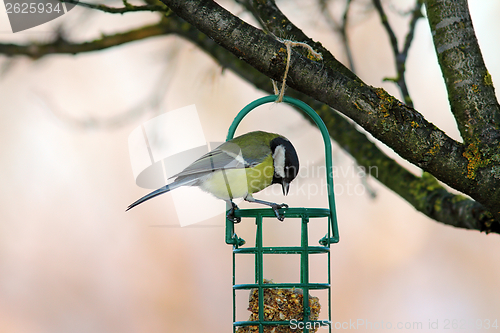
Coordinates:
[289,43]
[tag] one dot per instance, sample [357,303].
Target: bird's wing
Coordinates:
[226,156]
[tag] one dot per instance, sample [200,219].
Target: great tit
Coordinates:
[239,168]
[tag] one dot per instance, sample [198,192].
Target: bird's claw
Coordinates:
[275,208]
[230,215]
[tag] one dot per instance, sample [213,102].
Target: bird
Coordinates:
[238,168]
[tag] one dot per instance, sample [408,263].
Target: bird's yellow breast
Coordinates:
[238,183]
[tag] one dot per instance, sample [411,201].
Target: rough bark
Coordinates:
[470,89]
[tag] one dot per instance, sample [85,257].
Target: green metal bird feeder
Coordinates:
[260,288]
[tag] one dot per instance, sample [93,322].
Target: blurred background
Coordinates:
[72,260]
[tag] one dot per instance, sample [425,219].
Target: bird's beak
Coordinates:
[286,187]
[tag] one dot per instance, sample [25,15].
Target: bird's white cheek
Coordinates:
[279,161]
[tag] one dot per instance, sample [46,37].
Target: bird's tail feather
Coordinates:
[161,190]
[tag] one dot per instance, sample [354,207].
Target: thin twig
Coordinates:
[340,28]
[120,10]
[343,31]
[387,26]
[400,56]
[415,16]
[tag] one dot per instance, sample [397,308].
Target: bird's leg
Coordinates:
[230,214]
[273,205]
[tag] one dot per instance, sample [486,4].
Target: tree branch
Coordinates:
[62,46]
[470,89]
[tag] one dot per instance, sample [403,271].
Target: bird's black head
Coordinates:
[286,162]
